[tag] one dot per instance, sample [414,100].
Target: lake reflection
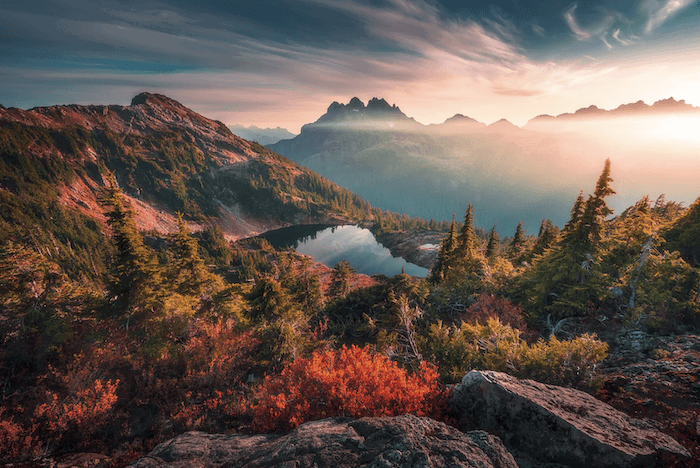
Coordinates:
[329,245]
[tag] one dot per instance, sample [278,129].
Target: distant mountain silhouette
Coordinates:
[509,173]
[264,136]
[639,108]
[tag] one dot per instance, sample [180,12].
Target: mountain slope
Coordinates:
[167,158]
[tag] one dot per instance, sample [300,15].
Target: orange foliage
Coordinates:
[217,356]
[83,411]
[351,382]
[14,440]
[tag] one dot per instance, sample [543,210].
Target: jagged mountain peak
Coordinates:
[355,103]
[355,110]
[379,104]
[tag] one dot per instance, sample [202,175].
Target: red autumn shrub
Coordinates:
[351,382]
[15,442]
[83,411]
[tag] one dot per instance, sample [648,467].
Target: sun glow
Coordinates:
[678,129]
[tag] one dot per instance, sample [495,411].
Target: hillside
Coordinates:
[167,159]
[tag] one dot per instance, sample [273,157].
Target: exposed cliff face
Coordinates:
[167,158]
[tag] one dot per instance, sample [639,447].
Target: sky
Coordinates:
[281,63]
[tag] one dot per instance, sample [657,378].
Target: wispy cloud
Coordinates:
[617,35]
[660,12]
[432,64]
[570,19]
[537,29]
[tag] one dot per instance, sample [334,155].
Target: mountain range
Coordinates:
[510,174]
[264,136]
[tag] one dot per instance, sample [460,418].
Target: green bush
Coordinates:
[496,346]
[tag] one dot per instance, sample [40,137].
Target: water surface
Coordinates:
[331,244]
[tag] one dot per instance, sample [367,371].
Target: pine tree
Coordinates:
[190,275]
[340,279]
[516,245]
[591,223]
[492,246]
[308,289]
[546,237]
[576,213]
[268,299]
[467,239]
[445,255]
[135,281]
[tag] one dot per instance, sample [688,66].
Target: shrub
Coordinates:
[16,443]
[489,306]
[351,382]
[82,413]
[497,346]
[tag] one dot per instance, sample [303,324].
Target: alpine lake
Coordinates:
[331,244]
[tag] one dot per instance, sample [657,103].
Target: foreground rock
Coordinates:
[369,442]
[657,377]
[546,423]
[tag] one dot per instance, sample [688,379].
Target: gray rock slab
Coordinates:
[559,425]
[402,441]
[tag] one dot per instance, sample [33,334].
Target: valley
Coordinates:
[160,276]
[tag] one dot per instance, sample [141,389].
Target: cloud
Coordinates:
[659,12]
[570,19]
[617,36]
[411,53]
[516,92]
[537,29]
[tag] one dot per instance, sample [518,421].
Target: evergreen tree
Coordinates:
[190,275]
[340,279]
[492,246]
[445,255]
[516,245]
[467,238]
[596,210]
[308,289]
[546,238]
[576,214]
[268,299]
[135,283]
[281,326]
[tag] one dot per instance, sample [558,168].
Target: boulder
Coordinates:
[402,441]
[559,425]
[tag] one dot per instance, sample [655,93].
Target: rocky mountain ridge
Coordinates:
[167,158]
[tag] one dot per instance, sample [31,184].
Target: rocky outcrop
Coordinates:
[656,377]
[419,248]
[404,441]
[550,424]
